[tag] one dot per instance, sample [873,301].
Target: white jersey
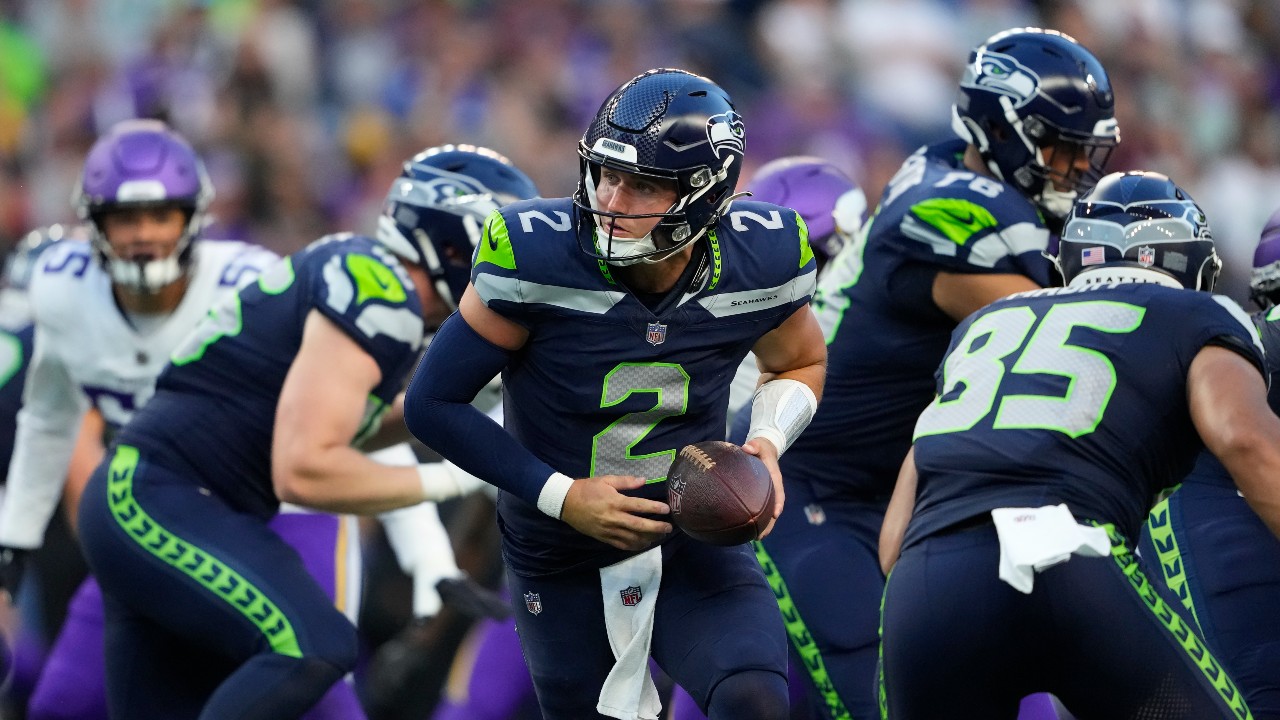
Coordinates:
[87,352]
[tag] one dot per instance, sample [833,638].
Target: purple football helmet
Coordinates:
[141,164]
[1264,281]
[831,204]
[1028,94]
[436,209]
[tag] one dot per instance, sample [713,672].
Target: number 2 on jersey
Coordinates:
[611,447]
[974,373]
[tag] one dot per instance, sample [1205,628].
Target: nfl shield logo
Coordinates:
[656,333]
[677,483]
[533,601]
[630,596]
[814,513]
[1146,256]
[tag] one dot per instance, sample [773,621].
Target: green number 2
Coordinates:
[976,368]
[611,448]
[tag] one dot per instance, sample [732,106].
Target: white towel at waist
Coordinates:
[1035,539]
[630,590]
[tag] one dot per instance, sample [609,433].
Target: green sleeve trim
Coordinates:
[806,251]
[374,280]
[958,220]
[495,245]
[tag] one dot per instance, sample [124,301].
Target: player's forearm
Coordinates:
[1256,469]
[343,480]
[898,515]
[814,375]
[457,365]
[37,472]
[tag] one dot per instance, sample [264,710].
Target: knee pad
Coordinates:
[750,695]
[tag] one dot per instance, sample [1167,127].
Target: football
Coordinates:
[719,494]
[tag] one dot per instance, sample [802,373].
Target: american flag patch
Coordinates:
[1093,256]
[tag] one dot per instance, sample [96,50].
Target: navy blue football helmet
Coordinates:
[435,211]
[670,125]
[1139,227]
[1029,95]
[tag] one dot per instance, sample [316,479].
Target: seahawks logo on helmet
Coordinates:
[446,190]
[725,131]
[1002,74]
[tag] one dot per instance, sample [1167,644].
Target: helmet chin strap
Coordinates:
[1054,201]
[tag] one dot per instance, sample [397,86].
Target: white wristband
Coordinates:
[443,481]
[437,483]
[551,499]
[780,411]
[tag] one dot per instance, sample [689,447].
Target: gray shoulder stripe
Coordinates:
[496,287]
[923,232]
[1016,239]
[737,303]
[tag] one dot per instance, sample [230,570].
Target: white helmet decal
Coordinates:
[1003,74]
[726,131]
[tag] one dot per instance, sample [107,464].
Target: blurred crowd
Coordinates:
[304,108]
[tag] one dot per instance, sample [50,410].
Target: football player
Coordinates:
[1216,556]
[617,318]
[107,313]
[1059,414]
[209,611]
[963,222]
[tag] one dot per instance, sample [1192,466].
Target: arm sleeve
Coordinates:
[45,440]
[437,409]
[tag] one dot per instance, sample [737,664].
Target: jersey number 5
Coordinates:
[974,373]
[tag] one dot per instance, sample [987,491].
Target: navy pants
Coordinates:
[823,565]
[1221,564]
[958,642]
[716,623]
[209,614]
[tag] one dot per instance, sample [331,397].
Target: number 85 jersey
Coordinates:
[609,385]
[1070,395]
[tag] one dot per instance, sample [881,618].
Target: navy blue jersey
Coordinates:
[15,353]
[607,385]
[214,409]
[885,336]
[1069,395]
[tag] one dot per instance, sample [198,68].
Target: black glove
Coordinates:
[12,562]
[472,599]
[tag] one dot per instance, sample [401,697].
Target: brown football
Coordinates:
[719,494]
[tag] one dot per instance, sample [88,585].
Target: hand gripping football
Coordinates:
[719,494]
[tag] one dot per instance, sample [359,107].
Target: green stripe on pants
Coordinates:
[194,563]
